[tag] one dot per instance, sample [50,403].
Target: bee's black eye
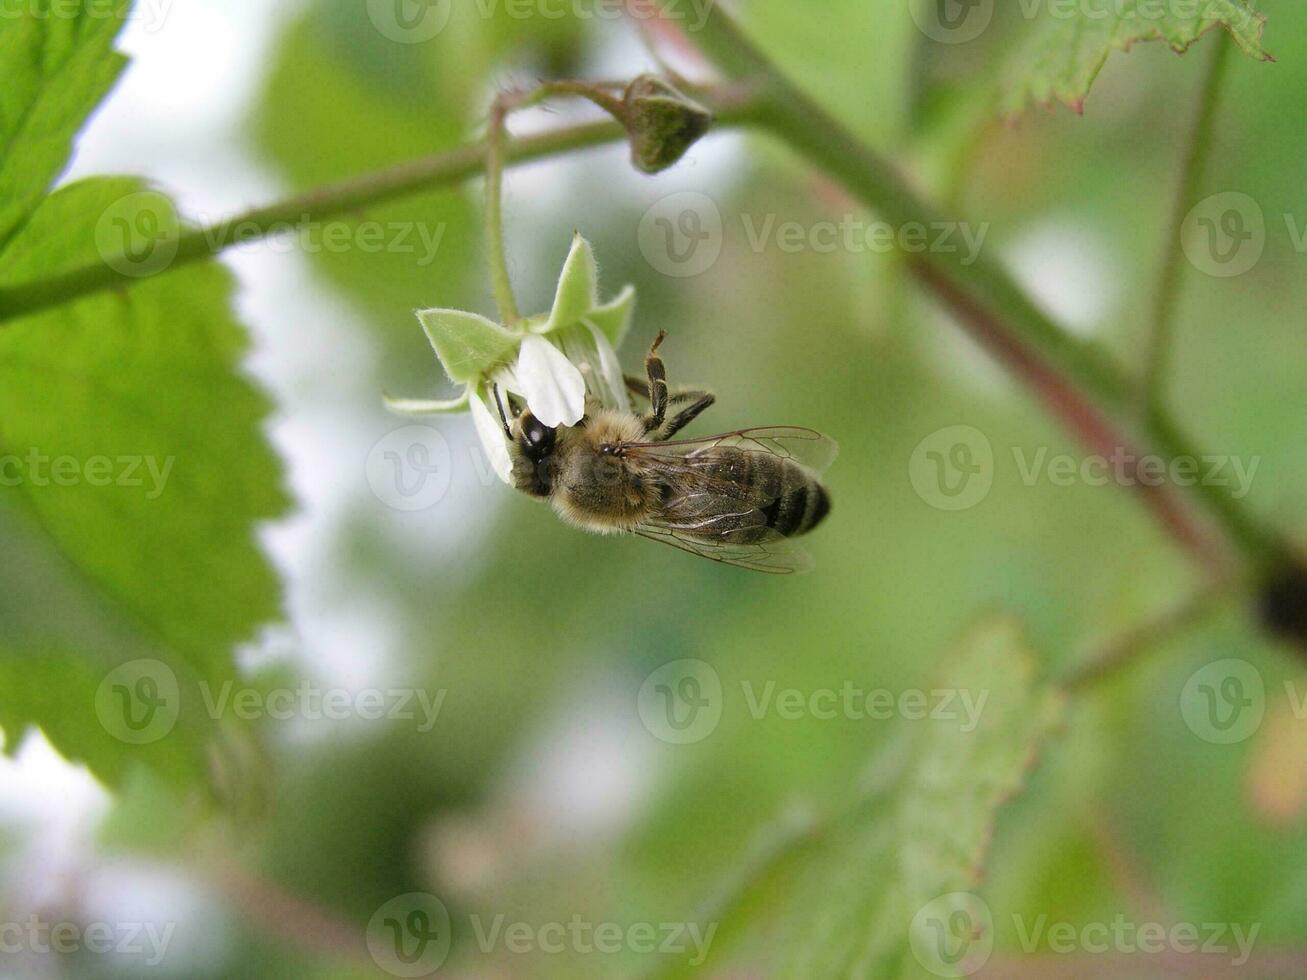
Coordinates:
[537,438]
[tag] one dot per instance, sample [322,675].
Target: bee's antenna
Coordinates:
[499,404]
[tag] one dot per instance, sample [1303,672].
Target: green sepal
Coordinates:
[468,345]
[425,406]
[613,319]
[578,287]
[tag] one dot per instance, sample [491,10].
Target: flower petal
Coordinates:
[425,406]
[491,432]
[578,287]
[468,345]
[610,367]
[586,346]
[554,387]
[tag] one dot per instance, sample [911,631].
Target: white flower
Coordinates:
[554,361]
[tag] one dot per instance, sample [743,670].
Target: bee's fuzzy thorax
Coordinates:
[595,489]
[608,427]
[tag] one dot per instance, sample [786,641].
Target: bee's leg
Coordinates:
[653,366]
[687,415]
[639,386]
[503,417]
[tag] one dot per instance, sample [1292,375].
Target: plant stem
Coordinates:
[1158,355]
[1084,371]
[500,281]
[442,169]
[496,138]
[593,91]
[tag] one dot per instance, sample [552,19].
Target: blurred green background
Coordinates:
[539,793]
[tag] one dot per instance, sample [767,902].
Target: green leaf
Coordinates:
[837,897]
[467,344]
[1066,45]
[60,693]
[135,462]
[57,62]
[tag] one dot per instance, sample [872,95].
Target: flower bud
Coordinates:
[662,123]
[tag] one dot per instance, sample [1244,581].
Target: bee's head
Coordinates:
[532,455]
[535,440]
[531,449]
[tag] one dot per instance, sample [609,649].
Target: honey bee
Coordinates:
[737,497]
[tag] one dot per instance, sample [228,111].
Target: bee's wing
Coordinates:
[690,468]
[807,447]
[775,555]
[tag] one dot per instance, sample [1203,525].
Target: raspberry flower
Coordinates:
[555,361]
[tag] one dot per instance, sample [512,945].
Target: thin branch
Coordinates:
[1158,355]
[496,140]
[497,256]
[735,106]
[440,170]
[596,92]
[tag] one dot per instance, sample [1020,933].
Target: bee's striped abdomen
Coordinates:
[800,507]
[779,497]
